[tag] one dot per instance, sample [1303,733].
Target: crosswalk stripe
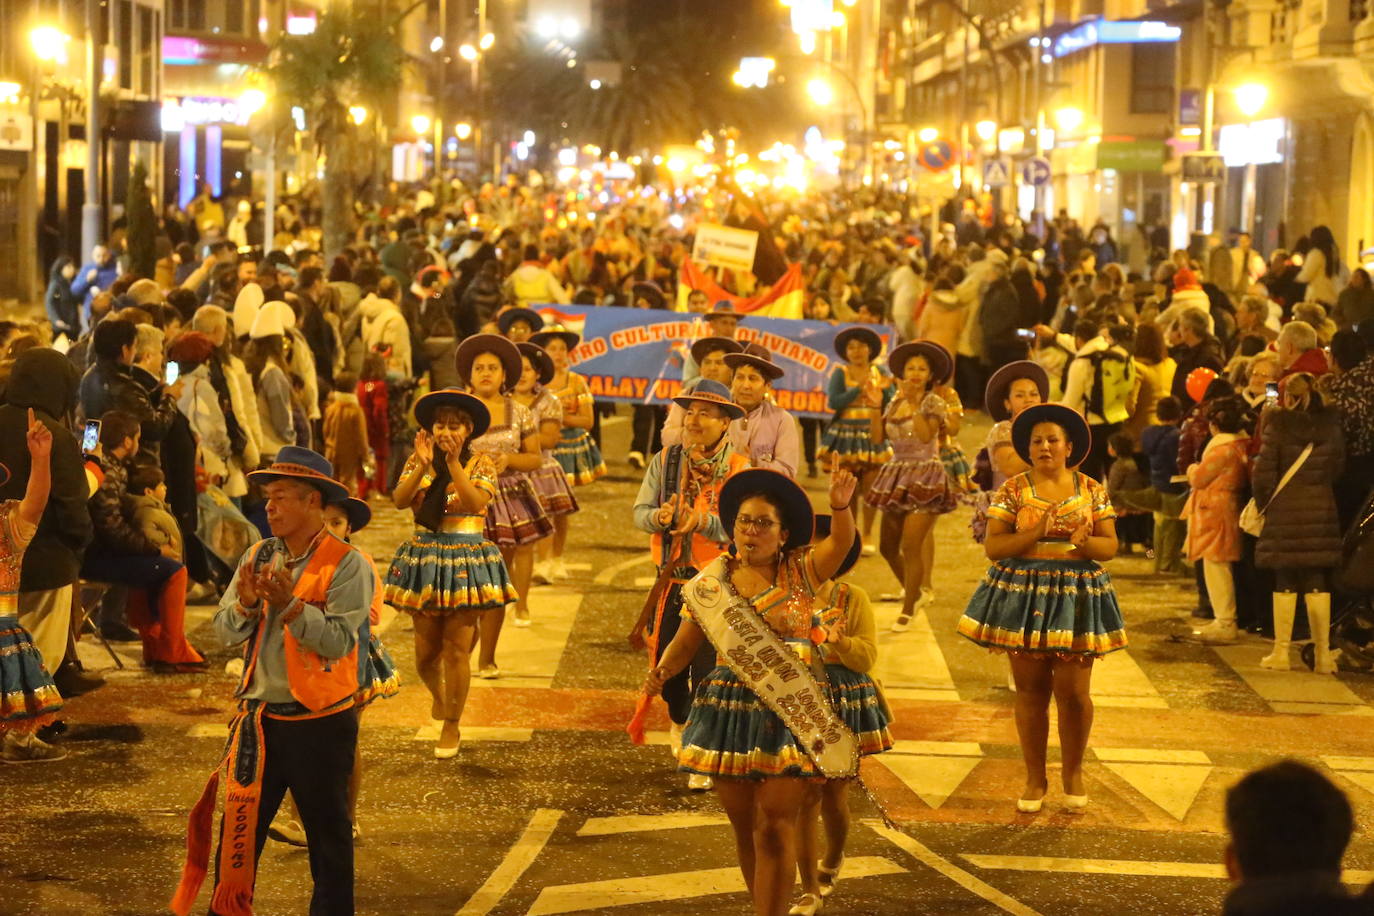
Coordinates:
[1119,682]
[911,665]
[1294,692]
[933,778]
[530,656]
[923,854]
[640,823]
[607,575]
[1173,787]
[520,857]
[602,895]
[1123,867]
[477,733]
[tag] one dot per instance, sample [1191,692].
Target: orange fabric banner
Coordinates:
[783,299]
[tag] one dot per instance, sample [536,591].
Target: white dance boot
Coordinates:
[1285,606]
[1319,621]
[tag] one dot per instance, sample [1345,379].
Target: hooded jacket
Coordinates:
[383,325]
[63,307]
[44,380]
[1301,527]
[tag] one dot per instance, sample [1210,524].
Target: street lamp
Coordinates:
[357,114]
[467,52]
[487,41]
[252,101]
[985,130]
[820,92]
[421,124]
[436,44]
[928,134]
[1069,119]
[1250,98]
[49,44]
[462,130]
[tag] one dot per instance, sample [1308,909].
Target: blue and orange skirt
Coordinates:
[579,457]
[28,698]
[441,572]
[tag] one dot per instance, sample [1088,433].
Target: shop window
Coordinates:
[1152,78]
[147,42]
[234,23]
[124,40]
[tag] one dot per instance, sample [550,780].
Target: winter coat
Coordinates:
[1320,286]
[1206,354]
[1213,507]
[199,402]
[114,532]
[42,379]
[442,372]
[63,306]
[1354,305]
[1308,893]
[1301,530]
[942,320]
[383,325]
[345,437]
[274,407]
[105,276]
[532,284]
[1000,316]
[109,385]
[153,518]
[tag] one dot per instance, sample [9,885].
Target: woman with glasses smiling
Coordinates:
[762,725]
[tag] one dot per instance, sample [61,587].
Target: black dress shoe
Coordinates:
[73,683]
[119,632]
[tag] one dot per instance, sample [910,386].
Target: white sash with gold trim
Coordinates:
[763,661]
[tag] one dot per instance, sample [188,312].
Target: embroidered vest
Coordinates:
[704,550]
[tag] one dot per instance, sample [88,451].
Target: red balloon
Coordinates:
[1197,382]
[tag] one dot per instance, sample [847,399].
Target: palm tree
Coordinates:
[354,57]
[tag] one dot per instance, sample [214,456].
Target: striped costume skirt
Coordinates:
[579,457]
[850,439]
[912,486]
[440,572]
[730,733]
[855,697]
[28,698]
[551,484]
[380,678]
[1042,606]
[515,516]
[957,467]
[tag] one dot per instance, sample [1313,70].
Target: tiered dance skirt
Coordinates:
[957,468]
[1046,607]
[555,493]
[381,678]
[515,516]
[851,440]
[440,572]
[579,457]
[855,697]
[731,733]
[912,486]
[28,698]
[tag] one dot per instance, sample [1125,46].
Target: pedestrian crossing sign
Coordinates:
[996,173]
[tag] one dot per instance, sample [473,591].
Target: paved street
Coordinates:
[549,809]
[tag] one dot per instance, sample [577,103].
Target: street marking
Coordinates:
[640,823]
[938,748]
[1365,764]
[477,733]
[683,885]
[1173,787]
[209,730]
[1119,682]
[530,656]
[1149,755]
[1292,692]
[911,666]
[520,857]
[933,778]
[645,581]
[1125,867]
[968,882]
[607,575]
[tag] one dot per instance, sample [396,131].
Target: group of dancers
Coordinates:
[759,645]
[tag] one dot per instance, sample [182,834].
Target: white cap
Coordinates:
[267,323]
[283,310]
[246,308]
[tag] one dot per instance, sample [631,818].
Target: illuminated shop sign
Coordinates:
[1114,32]
[195,111]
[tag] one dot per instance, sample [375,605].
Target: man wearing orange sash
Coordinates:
[299,605]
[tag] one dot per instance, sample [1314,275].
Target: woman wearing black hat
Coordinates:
[449,575]
[491,365]
[555,493]
[1045,601]
[858,391]
[757,606]
[913,490]
[576,452]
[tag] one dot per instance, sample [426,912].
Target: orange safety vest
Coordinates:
[317,683]
[707,502]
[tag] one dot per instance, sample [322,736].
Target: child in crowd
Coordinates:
[147,506]
[1133,526]
[345,432]
[1164,496]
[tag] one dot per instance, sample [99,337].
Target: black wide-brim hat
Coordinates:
[646,290]
[470,404]
[795,507]
[758,357]
[359,513]
[1000,383]
[937,357]
[570,338]
[476,345]
[309,467]
[1068,419]
[539,358]
[707,345]
[823,531]
[510,316]
[861,332]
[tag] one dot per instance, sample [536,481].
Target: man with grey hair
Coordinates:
[1252,320]
[1197,349]
[1299,350]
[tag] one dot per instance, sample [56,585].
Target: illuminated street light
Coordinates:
[595,84]
[546,27]
[1069,119]
[676,165]
[528,138]
[570,28]
[252,101]
[572,62]
[984,129]
[462,130]
[808,42]
[467,52]
[49,43]
[928,134]
[1250,98]
[837,20]
[9,91]
[436,44]
[357,114]
[487,41]
[420,124]
[820,92]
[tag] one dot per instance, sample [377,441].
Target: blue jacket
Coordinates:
[1160,445]
[105,275]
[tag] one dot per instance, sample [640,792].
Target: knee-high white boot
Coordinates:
[1285,606]
[1319,621]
